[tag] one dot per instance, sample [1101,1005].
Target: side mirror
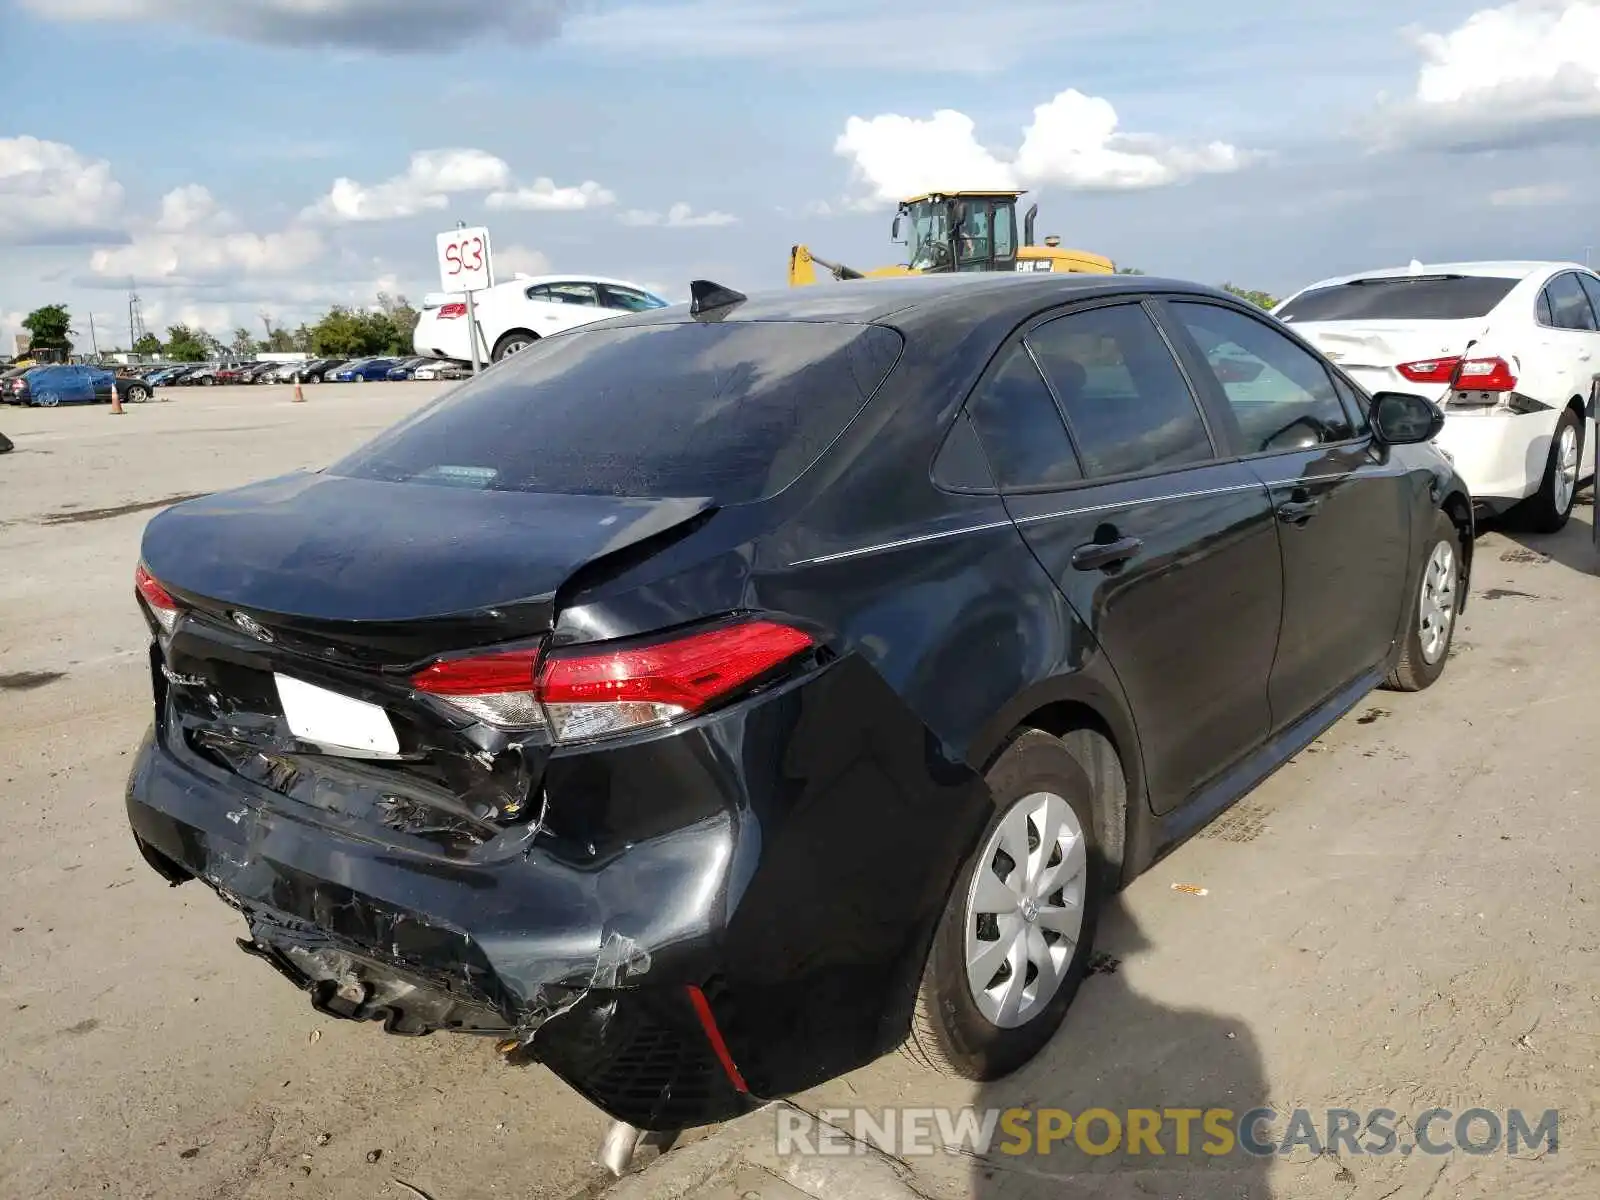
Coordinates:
[894,234]
[1404,419]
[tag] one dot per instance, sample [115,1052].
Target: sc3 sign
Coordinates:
[465,261]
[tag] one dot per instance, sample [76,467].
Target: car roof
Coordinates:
[915,299]
[1492,268]
[568,277]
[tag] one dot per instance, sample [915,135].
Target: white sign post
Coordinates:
[466,266]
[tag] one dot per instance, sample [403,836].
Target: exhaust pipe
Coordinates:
[1027,225]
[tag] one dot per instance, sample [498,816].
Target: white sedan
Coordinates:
[515,314]
[1509,350]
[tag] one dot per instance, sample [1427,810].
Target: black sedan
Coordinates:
[709,700]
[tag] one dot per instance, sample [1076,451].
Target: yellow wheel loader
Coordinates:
[960,231]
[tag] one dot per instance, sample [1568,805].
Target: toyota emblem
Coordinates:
[251,626]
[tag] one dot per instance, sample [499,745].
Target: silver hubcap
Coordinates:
[1438,607]
[1024,912]
[515,348]
[49,399]
[1566,481]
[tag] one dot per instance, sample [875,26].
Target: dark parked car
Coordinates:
[406,369]
[707,702]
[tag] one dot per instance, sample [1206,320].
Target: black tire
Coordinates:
[1540,512]
[949,1034]
[1414,672]
[138,395]
[509,343]
[208,382]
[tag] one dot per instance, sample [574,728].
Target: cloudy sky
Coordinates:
[236,157]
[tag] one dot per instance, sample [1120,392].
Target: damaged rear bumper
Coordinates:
[520,946]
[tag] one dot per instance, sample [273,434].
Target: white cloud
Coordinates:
[427,184]
[1499,72]
[1073,142]
[393,26]
[1533,195]
[679,216]
[194,242]
[518,259]
[542,195]
[50,192]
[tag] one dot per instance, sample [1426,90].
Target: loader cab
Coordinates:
[959,231]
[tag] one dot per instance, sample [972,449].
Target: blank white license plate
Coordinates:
[333,721]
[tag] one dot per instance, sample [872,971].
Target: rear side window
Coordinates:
[733,411]
[1128,405]
[1569,306]
[1401,298]
[1021,427]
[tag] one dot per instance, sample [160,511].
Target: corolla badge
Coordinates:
[252,626]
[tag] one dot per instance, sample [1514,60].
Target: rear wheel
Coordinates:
[514,342]
[138,395]
[1547,509]
[1014,942]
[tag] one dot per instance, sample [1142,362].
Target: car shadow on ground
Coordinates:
[1573,547]
[1120,1051]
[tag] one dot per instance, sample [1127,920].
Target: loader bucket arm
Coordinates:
[803,265]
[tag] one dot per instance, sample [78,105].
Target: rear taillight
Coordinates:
[450,312]
[1475,374]
[1429,370]
[1486,375]
[591,693]
[162,606]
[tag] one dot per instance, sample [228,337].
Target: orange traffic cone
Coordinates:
[299,394]
[116,398]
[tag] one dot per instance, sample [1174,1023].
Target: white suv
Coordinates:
[1510,350]
[515,314]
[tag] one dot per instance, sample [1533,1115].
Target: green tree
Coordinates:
[243,344]
[50,327]
[403,320]
[1259,299]
[149,345]
[187,345]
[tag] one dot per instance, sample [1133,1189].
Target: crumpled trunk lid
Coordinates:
[350,586]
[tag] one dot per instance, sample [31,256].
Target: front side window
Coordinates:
[1128,405]
[628,300]
[1281,395]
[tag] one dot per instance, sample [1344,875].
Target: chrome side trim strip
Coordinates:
[1116,504]
[863,551]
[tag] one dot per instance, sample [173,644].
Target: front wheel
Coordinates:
[1434,605]
[1014,942]
[47,399]
[208,382]
[138,395]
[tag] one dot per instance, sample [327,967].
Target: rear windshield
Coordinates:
[733,411]
[1405,298]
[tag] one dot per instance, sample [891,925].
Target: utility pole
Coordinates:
[266,323]
[93,340]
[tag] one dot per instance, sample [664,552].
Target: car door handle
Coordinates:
[1096,556]
[1297,512]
